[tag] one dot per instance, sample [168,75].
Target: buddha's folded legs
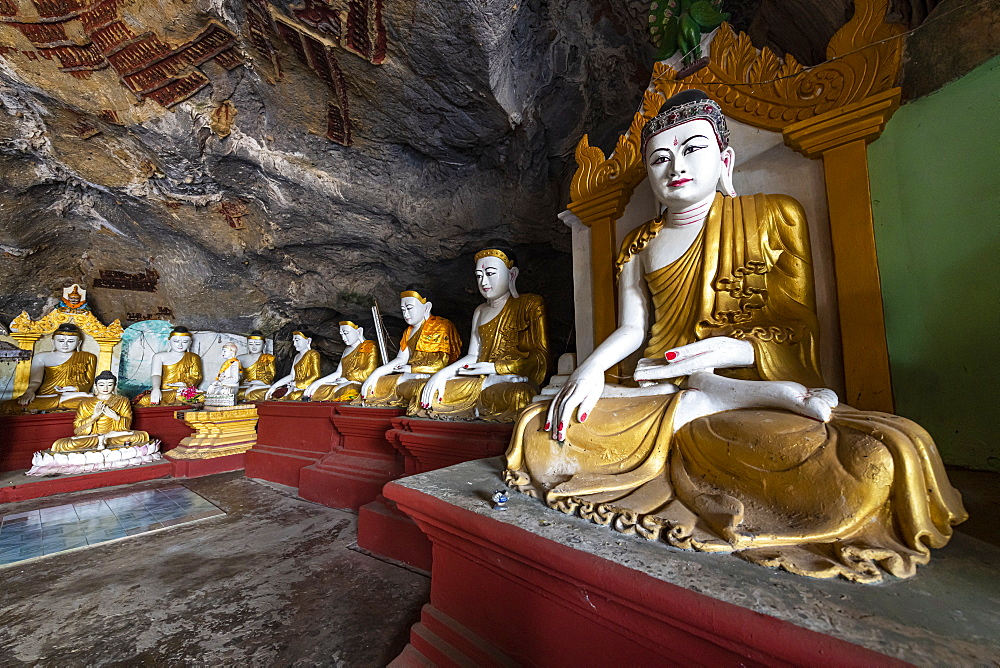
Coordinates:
[50,403]
[340,392]
[89,442]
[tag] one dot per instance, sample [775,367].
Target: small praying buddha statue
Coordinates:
[508,351]
[59,379]
[258,369]
[356,364]
[173,370]
[729,442]
[305,370]
[222,390]
[102,421]
[428,345]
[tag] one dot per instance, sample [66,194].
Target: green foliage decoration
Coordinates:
[677,25]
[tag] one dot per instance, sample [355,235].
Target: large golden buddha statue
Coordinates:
[508,352]
[356,364]
[428,345]
[730,443]
[305,370]
[173,370]
[102,421]
[59,379]
[258,369]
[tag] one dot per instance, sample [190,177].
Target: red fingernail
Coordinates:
[671,356]
[560,427]
[548,425]
[583,417]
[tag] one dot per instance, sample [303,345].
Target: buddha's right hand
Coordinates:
[580,394]
[26,398]
[435,386]
[155,395]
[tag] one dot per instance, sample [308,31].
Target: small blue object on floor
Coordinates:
[71,526]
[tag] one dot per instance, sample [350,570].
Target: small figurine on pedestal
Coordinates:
[508,351]
[500,499]
[59,379]
[173,371]
[305,371]
[102,436]
[222,390]
[428,345]
[258,368]
[356,364]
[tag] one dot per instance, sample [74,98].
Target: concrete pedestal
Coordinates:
[15,486]
[290,436]
[425,445]
[529,586]
[354,474]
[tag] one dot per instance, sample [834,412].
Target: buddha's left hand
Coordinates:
[717,352]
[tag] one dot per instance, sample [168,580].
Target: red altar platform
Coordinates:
[425,445]
[195,468]
[354,474]
[161,422]
[530,586]
[290,435]
[15,486]
[21,436]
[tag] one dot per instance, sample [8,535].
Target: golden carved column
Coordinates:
[107,346]
[22,372]
[840,137]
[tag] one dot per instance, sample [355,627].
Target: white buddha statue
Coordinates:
[305,370]
[222,391]
[59,379]
[508,351]
[428,345]
[356,364]
[173,370]
[729,442]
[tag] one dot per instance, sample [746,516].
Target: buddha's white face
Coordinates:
[255,346]
[684,164]
[301,343]
[180,343]
[65,343]
[413,311]
[493,277]
[349,335]
[104,388]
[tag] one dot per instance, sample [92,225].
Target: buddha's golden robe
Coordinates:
[307,372]
[433,346]
[264,371]
[77,371]
[515,340]
[864,491]
[88,433]
[355,366]
[187,370]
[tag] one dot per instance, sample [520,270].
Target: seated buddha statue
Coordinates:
[356,364]
[428,345]
[305,371]
[173,370]
[730,442]
[258,369]
[102,421]
[222,391]
[508,351]
[59,379]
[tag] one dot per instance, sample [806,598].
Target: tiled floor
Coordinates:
[59,528]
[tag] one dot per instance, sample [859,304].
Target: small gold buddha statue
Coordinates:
[59,379]
[428,345]
[258,369]
[102,421]
[305,370]
[508,351]
[729,442]
[173,370]
[356,364]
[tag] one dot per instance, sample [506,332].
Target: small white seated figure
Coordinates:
[222,391]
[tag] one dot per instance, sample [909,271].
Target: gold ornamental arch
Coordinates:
[830,111]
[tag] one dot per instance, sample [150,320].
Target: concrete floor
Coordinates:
[273,582]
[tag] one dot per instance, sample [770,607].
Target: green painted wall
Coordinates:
[935,177]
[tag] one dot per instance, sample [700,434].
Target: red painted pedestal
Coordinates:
[23,488]
[505,595]
[290,436]
[160,422]
[426,445]
[354,475]
[195,468]
[21,436]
